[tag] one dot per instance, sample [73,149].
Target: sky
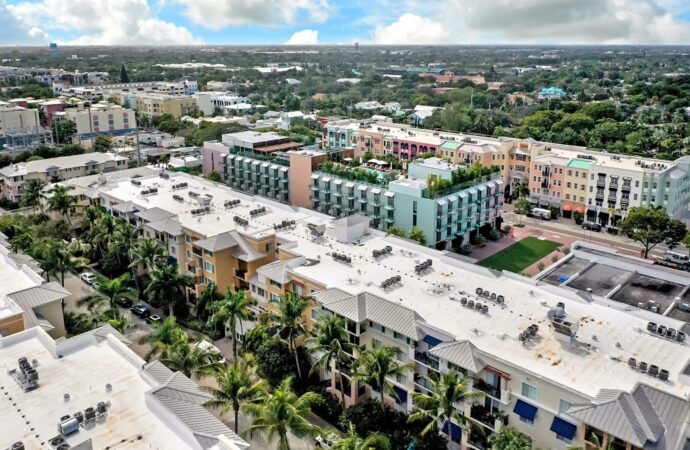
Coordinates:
[374,22]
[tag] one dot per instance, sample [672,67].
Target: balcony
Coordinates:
[363,201]
[483,386]
[600,195]
[426,360]
[613,186]
[484,415]
[241,274]
[390,207]
[390,220]
[625,188]
[601,183]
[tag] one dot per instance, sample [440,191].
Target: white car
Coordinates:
[88,277]
[206,345]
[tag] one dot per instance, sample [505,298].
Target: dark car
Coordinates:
[141,311]
[124,302]
[593,226]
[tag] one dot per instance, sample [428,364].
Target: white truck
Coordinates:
[541,213]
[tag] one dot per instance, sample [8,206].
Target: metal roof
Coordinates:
[154,214]
[460,353]
[40,295]
[171,225]
[218,242]
[276,271]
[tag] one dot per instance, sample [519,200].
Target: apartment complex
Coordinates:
[601,185]
[100,118]
[556,362]
[14,176]
[153,104]
[93,391]
[20,127]
[26,299]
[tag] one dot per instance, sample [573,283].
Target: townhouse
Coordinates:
[558,363]
[596,183]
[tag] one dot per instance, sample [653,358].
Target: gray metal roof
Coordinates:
[460,353]
[158,371]
[218,242]
[154,214]
[170,225]
[124,207]
[244,251]
[276,271]
[40,295]
[647,417]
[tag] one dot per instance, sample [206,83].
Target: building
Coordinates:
[557,362]
[566,177]
[20,128]
[50,170]
[100,118]
[159,104]
[92,391]
[26,299]
[218,86]
[551,93]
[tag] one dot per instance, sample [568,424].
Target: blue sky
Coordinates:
[308,22]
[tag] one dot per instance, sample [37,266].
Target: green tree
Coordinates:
[237,386]
[648,226]
[62,202]
[353,441]
[102,143]
[375,366]
[416,234]
[209,295]
[33,194]
[509,438]
[111,291]
[214,176]
[331,344]
[57,259]
[64,131]
[395,231]
[124,78]
[438,408]
[281,412]
[290,321]
[231,311]
[167,287]
[191,359]
[166,334]
[146,254]
[675,233]
[523,206]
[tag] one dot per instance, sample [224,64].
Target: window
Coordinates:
[314,314]
[564,406]
[400,378]
[276,284]
[375,343]
[529,391]
[275,297]
[208,266]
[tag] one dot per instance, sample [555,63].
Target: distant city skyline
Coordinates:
[312,22]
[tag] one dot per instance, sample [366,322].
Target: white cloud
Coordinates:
[15,32]
[218,14]
[411,29]
[304,37]
[101,22]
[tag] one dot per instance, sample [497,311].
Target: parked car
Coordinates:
[592,226]
[124,302]
[206,345]
[325,441]
[141,311]
[153,318]
[541,213]
[88,277]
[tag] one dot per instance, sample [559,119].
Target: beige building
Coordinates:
[100,118]
[15,119]
[159,104]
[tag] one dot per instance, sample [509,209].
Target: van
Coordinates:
[677,258]
[541,213]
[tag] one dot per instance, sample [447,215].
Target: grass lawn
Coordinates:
[520,255]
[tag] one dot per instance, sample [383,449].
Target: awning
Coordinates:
[402,394]
[568,207]
[432,341]
[525,410]
[563,428]
[455,430]
[580,209]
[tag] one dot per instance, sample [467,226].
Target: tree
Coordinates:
[165,334]
[124,78]
[331,344]
[353,441]
[230,311]
[395,231]
[375,366]
[214,176]
[438,407]
[686,241]
[675,233]
[521,190]
[416,234]
[648,226]
[523,206]
[237,386]
[167,287]
[146,253]
[510,438]
[281,412]
[290,322]
[61,201]
[111,291]
[57,259]
[63,131]
[102,143]
[191,359]
[33,193]
[207,297]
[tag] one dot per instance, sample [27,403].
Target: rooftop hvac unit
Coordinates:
[643,366]
[68,426]
[663,374]
[653,370]
[18,446]
[651,327]
[632,363]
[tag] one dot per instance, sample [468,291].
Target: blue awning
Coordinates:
[402,394]
[432,341]
[525,410]
[563,428]
[456,431]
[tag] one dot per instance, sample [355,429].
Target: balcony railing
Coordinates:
[240,274]
[487,388]
[423,358]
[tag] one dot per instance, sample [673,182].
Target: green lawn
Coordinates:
[520,255]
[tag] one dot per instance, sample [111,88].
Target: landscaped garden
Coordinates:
[520,255]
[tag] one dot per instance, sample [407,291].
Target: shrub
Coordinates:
[466,249]
[328,407]
[494,235]
[554,258]
[566,250]
[506,229]
[519,225]
[541,266]
[578,218]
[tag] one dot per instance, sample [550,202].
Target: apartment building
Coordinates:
[566,177]
[93,391]
[20,128]
[556,362]
[63,168]
[159,104]
[100,118]
[26,299]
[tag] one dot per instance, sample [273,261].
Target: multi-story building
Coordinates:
[21,128]
[154,105]
[556,362]
[600,184]
[99,118]
[50,170]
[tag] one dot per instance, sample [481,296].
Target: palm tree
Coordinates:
[207,297]
[290,322]
[57,259]
[593,443]
[123,238]
[91,216]
[164,335]
[438,408]
[237,385]
[510,438]
[102,232]
[111,290]
[33,193]
[167,286]
[235,307]
[332,343]
[191,359]
[61,201]
[146,253]
[281,412]
[23,241]
[375,366]
[353,442]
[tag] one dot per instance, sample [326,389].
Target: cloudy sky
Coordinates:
[308,22]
